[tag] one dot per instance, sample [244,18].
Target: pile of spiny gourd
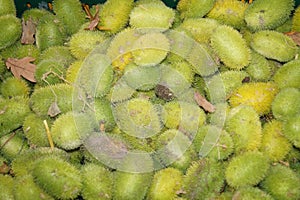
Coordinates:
[136,100]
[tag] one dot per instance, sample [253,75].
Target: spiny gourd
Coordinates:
[61,54]
[73,70]
[12,87]
[12,32]
[259,95]
[288,75]
[7,187]
[229,12]
[104,113]
[295,20]
[291,130]
[7,7]
[247,169]
[251,193]
[57,177]
[194,8]
[263,15]
[233,51]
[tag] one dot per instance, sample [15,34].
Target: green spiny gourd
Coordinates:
[151,15]
[282,183]
[49,97]
[14,111]
[291,130]
[6,187]
[70,13]
[35,132]
[11,146]
[49,72]
[150,49]
[285,104]
[57,177]
[121,92]
[247,169]
[65,133]
[295,20]
[138,117]
[222,149]
[142,78]
[259,68]
[97,182]
[23,163]
[73,70]
[7,7]
[30,50]
[229,12]
[251,193]
[203,178]
[166,184]
[193,8]
[262,15]
[274,143]
[103,113]
[259,95]
[184,68]
[35,14]
[185,161]
[288,75]
[184,115]
[49,33]
[243,124]
[233,51]
[83,42]
[25,189]
[274,45]
[12,31]
[114,15]
[61,54]
[200,28]
[12,87]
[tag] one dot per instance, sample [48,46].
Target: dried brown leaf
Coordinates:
[54,110]
[4,168]
[22,67]
[94,20]
[295,36]
[202,102]
[28,32]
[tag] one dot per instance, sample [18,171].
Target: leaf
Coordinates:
[295,36]
[4,168]
[206,105]
[28,32]
[53,110]
[94,20]
[22,67]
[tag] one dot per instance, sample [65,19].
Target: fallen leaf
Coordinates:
[201,101]
[94,20]
[22,67]
[53,110]
[4,168]
[295,36]
[28,32]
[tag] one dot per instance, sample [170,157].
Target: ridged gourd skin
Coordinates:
[57,177]
[288,75]
[262,15]
[12,31]
[70,13]
[296,20]
[286,103]
[291,130]
[274,45]
[247,169]
[26,188]
[259,95]
[229,12]
[282,183]
[274,143]
[12,87]
[233,51]
[244,126]
[83,42]
[7,7]
[203,178]
[6,187]
[97,182]
[42,98]
[194,8]
[151,15]
[114,15]
[15,111]
[251,193]
[34,130]
[165,184]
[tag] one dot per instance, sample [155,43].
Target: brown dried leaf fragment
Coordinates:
[22,67]
[28,32]
[4,168]
[54,110]
[295,36]
[94,20]
[202,102]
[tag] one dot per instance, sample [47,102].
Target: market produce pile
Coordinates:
[135,100]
